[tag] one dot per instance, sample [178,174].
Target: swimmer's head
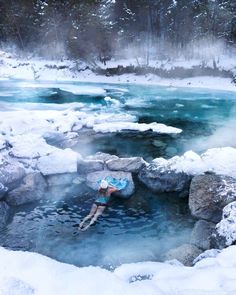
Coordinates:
[104,184]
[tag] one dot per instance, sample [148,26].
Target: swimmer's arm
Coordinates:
[113,189]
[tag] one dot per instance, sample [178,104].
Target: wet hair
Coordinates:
[102,190]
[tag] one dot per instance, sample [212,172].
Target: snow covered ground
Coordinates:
[44,70]
[24,273]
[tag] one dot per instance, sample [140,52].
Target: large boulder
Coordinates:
[3,190]
[209,194]
[225,231]
[87,166]
[59,161]
[4,214]
[94,178]
[161,180]
[11,174]
[201,234]
[133,164]
[185,253]
[32,189]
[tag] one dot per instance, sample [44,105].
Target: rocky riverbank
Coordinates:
[31,169]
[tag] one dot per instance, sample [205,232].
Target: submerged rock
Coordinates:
[209,194]
[4,213]
[32,189]
[225,231]
[94,177]
[201,234]
[186,254]
[133,164]
[161,180]
[11,174]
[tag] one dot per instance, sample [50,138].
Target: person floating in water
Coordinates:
[104,192]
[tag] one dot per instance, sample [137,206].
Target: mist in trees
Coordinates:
[95,30]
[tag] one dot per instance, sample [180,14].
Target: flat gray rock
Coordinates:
[133,164]
[94,177]
[87,166]
[32,189]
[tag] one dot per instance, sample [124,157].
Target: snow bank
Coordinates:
[44,70]
[141,127]
[29,273]
[218,160]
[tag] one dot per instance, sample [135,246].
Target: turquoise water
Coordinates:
[148,224]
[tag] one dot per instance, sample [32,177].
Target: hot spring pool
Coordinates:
[147,225]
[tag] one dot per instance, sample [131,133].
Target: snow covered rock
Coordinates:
[209,193]
[212,253]
[133,164]
[4,213]
[87,166]
[30,146]
[164,180]
[201,234]
[225,232]
[217,160]
[185,253]
[11,174]
[59,161]
[102,157]
[94,177]
[32,189]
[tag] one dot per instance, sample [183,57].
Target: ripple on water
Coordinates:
[141,228]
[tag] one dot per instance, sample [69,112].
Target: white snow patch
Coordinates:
[20,272]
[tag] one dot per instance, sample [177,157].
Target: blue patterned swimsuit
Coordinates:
[102,200]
